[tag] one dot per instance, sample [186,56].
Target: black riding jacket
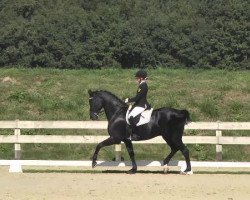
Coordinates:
[141,96]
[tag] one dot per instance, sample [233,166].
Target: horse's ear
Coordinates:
[90,92]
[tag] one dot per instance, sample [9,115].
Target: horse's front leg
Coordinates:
[107,142]
[131,153]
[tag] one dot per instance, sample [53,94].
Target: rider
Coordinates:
[140,100]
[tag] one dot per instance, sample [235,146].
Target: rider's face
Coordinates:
[138,80]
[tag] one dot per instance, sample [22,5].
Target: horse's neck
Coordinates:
[111,106]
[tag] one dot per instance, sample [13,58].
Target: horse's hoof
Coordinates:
[165,169]
[186,172]
[132,171]
[94,163]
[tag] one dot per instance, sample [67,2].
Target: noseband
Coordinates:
[97,114]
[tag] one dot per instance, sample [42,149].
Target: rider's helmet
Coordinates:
[141,74]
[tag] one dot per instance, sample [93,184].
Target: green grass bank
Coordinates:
[52,94]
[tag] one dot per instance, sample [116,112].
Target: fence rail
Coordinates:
[18,139]
[69,139]
[104,124]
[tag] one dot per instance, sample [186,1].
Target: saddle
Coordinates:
[144,117]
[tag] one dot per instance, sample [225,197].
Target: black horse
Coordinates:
[167,122]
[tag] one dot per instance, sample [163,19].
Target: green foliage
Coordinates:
[19,96]
[200,150]
[209,108]
[53,94]
[125,33]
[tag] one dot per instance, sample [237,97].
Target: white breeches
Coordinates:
[136,111]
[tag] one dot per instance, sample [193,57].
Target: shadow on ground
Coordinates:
[124,172]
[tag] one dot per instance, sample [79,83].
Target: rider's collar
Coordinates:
[143,81]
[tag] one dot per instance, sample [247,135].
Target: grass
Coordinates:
[52,94]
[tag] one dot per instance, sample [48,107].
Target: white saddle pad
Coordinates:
[144,119]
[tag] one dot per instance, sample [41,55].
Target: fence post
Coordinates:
[218,146]
[17,146]
[118,152]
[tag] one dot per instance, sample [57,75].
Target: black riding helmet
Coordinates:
[141,74]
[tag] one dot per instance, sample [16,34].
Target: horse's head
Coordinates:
[95,104]
[105,100]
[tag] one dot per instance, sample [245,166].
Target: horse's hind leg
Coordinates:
[170,155]
[175,142]
[107,142]
[185,152]
[129,147]
[173,150]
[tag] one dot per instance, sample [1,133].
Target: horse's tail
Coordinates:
[187,116]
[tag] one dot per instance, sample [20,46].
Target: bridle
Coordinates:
[95,113]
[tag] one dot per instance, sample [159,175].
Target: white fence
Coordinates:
[19,139]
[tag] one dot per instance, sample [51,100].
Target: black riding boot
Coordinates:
[132,128]
[129,130]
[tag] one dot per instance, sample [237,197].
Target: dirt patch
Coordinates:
[10,80]
[39,80]
[121,186]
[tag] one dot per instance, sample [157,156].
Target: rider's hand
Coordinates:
[126,100]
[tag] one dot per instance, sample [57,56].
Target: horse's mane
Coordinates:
[111,94]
